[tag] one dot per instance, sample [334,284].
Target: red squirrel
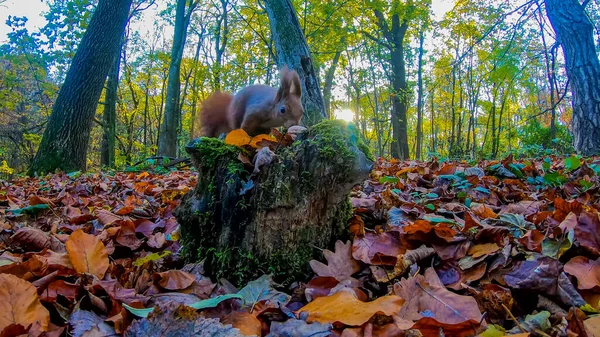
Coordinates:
[256,108]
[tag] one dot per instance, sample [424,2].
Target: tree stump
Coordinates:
[274,222]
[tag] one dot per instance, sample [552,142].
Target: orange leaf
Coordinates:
[262,140]
[593,325]
[345,308]
[244,321]
[238,137]
[20,304]
[483,249]
[87,253]
[483,211]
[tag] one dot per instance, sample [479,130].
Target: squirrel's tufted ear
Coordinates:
[295,88]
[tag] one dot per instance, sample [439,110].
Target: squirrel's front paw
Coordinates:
[296,130]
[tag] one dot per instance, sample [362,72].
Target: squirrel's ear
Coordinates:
[294,86]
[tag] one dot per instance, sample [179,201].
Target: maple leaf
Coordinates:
[345,308]
[585,270]
[340,264]
[20,305]
[426,293]
[87,253]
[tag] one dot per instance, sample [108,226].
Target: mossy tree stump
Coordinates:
[297,204]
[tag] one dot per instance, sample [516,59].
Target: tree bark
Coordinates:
[109,118]
[292,50]
[329,79]
[295,206]
[66,138]
[575,33]
[420,98]
[167,142]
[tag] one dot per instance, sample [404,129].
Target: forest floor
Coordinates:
[439,249]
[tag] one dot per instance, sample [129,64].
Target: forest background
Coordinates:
[476,79]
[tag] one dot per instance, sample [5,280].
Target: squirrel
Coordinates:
[255,108]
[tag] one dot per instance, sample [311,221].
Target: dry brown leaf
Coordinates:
[87,253]
[343,307]
[585,270]
[593,325]
[340,264]
[244,321]
[483,249]
[483,211]
[20,304]
[175,279]
[427,293]
[107,218]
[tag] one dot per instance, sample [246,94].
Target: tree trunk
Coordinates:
[420,98]
[575,32]
[292,50]
[109,117]
[295,206]
[329,79]
[65,141]
[167,142]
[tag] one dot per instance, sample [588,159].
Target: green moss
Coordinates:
[211,149]
[334,139]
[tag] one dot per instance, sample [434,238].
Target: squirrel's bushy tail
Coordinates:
[212,119]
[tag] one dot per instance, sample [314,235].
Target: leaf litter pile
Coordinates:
[438,249]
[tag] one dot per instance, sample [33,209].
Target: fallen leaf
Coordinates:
[238,137]
[593,325]
[430,327]
[587,232]
[261,290]
[426,293]
[127,236]
[175,279]
[88,324]
[299,328]
[87,253]
[33,239]
[483,249]
[585,270]
[377,249]
[107,218]
[20,304]
[340,264]
[244,321]
[345,308]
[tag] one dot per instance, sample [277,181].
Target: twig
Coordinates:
[513,318]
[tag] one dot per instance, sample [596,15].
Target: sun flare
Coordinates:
[345,114]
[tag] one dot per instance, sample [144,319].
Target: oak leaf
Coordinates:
[87,253]
[20,304]
[345,308]
[340,264]
[585,270]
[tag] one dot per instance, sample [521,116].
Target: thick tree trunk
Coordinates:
[292,50]
[109,118]
[65,141]
[575,32]
[167,142]
[296,204]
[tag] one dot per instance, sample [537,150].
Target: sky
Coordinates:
[33,10]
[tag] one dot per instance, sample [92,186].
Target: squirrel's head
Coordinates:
[288,104]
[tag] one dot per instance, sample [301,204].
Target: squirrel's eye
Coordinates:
[282,109]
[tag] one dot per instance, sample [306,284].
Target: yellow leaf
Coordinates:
[238,137]
[344,307]
[87,253]
[20,304]
[483,249]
